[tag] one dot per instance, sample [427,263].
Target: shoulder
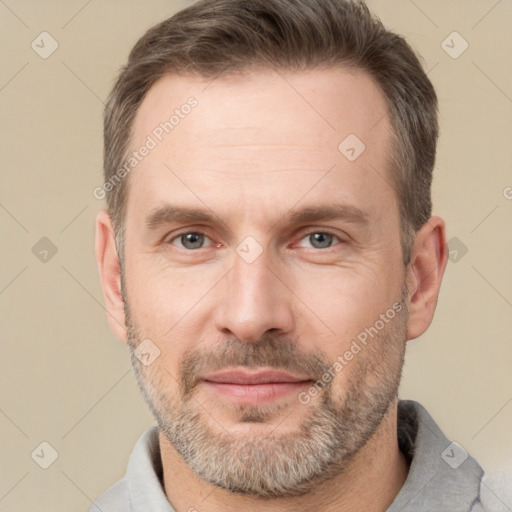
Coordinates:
[496,489]
[115,499]
[442,474]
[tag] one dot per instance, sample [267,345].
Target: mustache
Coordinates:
[270,352]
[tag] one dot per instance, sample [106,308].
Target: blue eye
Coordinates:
[190,240]
[194,240]
[321,239]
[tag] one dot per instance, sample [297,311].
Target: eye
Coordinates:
[189,240]
[320,239]
[193,240]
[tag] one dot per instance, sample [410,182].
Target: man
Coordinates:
[267,251]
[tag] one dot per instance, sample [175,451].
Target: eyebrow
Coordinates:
[169,213]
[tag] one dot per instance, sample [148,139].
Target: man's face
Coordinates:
[260,282]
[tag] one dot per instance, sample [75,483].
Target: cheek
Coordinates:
[160,297]
[169,306]
[347,300]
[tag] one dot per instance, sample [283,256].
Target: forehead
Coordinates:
[264,131]
[330,102]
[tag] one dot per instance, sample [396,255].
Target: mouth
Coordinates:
[253,387]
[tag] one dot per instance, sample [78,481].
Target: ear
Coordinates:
[109,269]
[424,275]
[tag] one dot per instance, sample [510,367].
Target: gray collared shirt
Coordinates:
[442,477]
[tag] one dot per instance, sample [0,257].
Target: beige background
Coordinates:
[66,380]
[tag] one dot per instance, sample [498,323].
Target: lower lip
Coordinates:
[247,394]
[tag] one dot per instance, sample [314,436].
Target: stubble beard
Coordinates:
[274,465]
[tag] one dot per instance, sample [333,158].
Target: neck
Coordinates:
[371,481]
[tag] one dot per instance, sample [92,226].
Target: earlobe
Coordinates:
[424,275]
[110,274]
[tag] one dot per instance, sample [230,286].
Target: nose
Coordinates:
[254,300]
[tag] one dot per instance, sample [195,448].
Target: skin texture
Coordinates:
[256,148]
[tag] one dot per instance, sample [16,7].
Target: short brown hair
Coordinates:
[212,37]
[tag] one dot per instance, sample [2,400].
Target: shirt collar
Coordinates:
[442,475]
[144,475]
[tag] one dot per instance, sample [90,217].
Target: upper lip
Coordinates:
[257,377]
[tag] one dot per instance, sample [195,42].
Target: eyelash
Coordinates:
[315,231]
